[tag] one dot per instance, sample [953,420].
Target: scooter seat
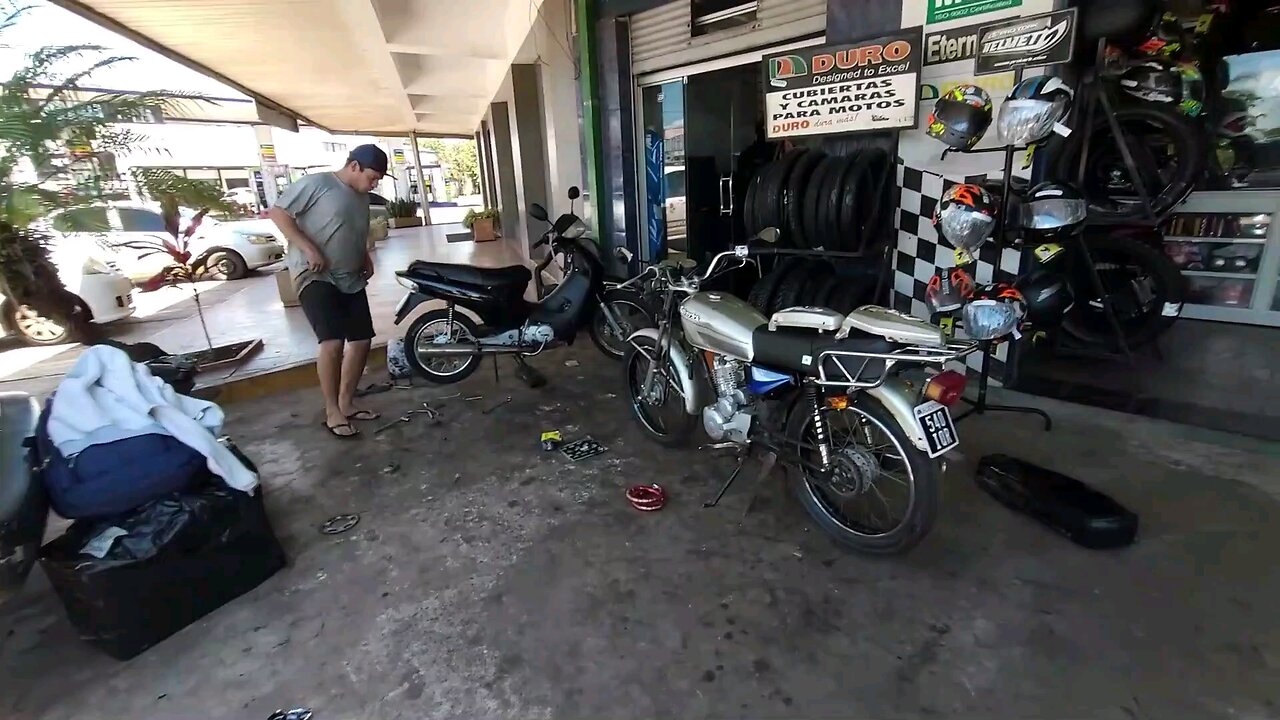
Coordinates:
[470,274]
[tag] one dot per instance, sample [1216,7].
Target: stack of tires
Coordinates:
[813,282]
[823,202]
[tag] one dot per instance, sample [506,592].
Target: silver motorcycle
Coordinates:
[827,395]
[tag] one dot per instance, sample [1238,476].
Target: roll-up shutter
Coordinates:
[661,37]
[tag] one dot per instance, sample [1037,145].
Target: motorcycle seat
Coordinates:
[471,274]
[798,349]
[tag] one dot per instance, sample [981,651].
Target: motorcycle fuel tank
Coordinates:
[721,323]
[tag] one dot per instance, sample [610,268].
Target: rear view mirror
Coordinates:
[623,254]
[574,192]
[537,212]
[769,235]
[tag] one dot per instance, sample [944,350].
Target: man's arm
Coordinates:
[289,228]
[368,264]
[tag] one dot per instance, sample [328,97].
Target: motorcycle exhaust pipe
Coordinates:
[464,349]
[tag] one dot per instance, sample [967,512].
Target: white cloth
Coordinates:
[107,397]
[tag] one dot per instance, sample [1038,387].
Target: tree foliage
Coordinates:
[458,159]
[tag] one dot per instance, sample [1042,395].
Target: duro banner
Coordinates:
[1026,42]
[863,86]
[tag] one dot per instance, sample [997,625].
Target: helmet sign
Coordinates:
[869,85]
[1026,42]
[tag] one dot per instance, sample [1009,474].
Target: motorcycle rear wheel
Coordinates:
[865,438]
[434,327]
[1145,287]
[661,416]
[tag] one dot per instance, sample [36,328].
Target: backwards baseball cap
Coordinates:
[370,157]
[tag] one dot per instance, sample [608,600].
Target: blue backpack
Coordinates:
[116,477]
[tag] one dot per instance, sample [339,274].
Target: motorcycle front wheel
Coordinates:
[882,496]
[629,313]
[1145,288]
[437,328]
[658,408]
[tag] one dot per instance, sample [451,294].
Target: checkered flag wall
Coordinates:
[921,252]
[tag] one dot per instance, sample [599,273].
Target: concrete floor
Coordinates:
[489,579]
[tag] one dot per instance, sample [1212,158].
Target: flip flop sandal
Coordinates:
[333,430]
[364,415]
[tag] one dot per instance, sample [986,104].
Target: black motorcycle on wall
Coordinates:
[446,345]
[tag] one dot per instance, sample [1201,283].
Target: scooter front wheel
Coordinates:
[437,328]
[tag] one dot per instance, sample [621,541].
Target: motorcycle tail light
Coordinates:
[946,387]
[838,402]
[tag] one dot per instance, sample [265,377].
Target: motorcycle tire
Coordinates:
[1141,320]
[774,190]
[814,235]
[793,202]
[875,202]
[854,202]
[1186,142]
[749,223]
[678,428]
[791,287]
[922,511]
[846,296]
[634,307]
[822,291]
[762,293]
[419,365]
[816,275]
[829,204]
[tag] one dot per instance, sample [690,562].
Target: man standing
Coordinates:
[325,218]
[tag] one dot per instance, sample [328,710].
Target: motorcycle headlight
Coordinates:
[1026,121]
[989,319]
[1052,214]
[576,230]
[966,229]
[94,266]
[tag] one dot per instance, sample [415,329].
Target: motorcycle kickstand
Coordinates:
[742,462]
[527,374]
[768,463]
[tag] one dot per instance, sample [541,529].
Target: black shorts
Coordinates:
[335,315]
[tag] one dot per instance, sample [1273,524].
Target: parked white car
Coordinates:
[103,291]
[231,250]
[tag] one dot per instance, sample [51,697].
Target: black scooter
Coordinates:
[446,346]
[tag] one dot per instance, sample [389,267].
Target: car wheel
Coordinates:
[225,265]
[37,329]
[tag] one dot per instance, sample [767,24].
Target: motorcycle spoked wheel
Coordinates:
[661,412]
[1141,283]
[876,469]
[434,327]
[1169,151]
[631,313]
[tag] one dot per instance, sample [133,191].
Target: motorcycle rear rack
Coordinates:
[953,350]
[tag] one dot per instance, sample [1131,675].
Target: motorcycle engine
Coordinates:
[537,334]
[729,418]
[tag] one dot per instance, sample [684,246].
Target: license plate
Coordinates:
[400,305]
[938,427]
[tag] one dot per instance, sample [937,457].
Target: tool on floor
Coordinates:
[294,714]
[495,407]
[550,440]
[433,414]
[583,449]
[647,498]
[402,419]
[339,524]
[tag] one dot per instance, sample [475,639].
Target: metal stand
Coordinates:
[981,406]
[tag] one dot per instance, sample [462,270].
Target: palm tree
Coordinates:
[58,142]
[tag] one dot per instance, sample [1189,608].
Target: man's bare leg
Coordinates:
[353,361]
[329,363]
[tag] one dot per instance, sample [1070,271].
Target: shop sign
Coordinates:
[1026,42]
[863,86]
[951,45]
[397,156]
[268,154]
[655,180]
[944,10]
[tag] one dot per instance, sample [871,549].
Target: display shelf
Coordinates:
[1232,224]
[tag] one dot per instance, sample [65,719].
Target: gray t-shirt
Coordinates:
[336,218]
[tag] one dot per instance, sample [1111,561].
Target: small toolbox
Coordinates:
[1090,518]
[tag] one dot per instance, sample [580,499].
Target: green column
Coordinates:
[590,92]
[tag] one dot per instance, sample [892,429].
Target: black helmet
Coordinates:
[1052,210]
[1165,39]
[1048,297]
[960,117]
[965,216]
[1154,81]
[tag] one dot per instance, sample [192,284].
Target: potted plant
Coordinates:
[403,213]
[484,225]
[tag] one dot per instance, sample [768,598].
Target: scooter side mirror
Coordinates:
[537,212]
[623,254]
[769,235]
[574,192]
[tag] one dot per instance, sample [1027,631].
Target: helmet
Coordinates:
[948,289]
[1006,293]
[1047,296]
[965,216]
[397,364]
[1166,37]
[987,319]
[1031,109]
[960,117]
[1053,211]
[1192,90]
[1153,81]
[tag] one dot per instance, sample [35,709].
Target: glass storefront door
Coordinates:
[663,168]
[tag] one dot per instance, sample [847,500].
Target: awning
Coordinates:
[367,66]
